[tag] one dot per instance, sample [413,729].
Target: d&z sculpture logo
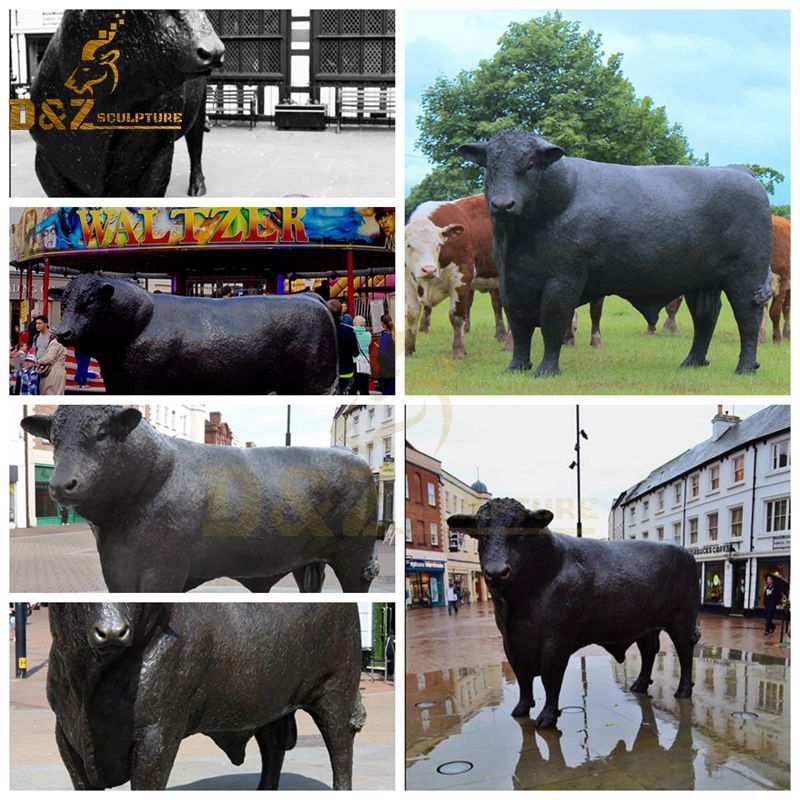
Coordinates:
[98,62]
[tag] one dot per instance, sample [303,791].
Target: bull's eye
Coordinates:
[530,165]
[101,434]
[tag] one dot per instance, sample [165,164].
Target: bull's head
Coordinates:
[501,526]
[85,311]
[98,61]
[424,242]
[515,163]
[107,628]
[87,441]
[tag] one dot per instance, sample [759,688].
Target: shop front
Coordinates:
[425,583]
[48,511]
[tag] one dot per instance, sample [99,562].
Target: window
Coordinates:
[434,534]
[409,536]
[633,513]
[693,530]
[645,534]
[678,493]
[778,515]
[387,446]
[645,509]
[660,500]
[676,531]
[172,417]
[660,533]
[714,586]
[737,514]
[355,424]
[447,501]
[370,419]
[694,485]
[780,454]
[713,525]
[388,412]
[407,494]
[431,495]
[714,478]
[738,468]
[370,448]
[418,487]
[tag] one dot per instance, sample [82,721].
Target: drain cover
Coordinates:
[744,715]
[572,710]
[454,767]
[425,704]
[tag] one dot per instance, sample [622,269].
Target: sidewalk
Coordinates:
[36,764]
[471,638]
[63,558]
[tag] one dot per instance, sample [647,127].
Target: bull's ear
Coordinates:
[56,293]
[123,422]
[548,154]
[538,519]
[463,523]
[107,291]
[474,151]
[38,425]
[452,231]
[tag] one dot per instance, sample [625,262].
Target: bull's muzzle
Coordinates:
[498,575]
[503,205]
[427,271]
[64,488]
[111,633]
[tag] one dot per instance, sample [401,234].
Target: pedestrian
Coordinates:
[363,369]
[467,595]
[41,336]
[346,318]
[772,597]
[386,356]
[27,377]
[452,600]
[52,367]
[348,348]
[64,515]
[12,621]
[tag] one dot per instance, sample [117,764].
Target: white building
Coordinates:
[368,430]
[727,500]
[31,30]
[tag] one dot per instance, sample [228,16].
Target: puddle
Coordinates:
[607,737]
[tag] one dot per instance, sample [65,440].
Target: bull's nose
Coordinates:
[210,56]
[63,488]
[501,574]
[65,334]
[503,205]
[427,270]
[111,633]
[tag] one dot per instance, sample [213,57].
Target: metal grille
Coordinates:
[251,22]
[388,63]
[389,21]
[271,59]
[272,22]
[329,22]
[349,61]
[351,21]
[329,56]
[373,57]
[251,60]
[373,22]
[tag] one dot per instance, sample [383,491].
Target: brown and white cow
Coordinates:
[449,256]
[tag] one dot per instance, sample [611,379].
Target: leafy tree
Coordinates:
[549,77]
[440,185]
[782,211]
[767,176]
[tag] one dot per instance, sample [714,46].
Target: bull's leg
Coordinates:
[672,309]
[468,300]
[648,647]
[338,720]
[412,313]
[572,329]
[497,307]
[704,306]
[459,308]
[73,762]
[508,344]
[556,306]
[553,668]
[52,181]
[155,176]
[154,753]
[524,673]
[356,566]
[425,319]
[596,312]
[194,143]
[684,639]
[787,328]
[310,577]
[273,742]
[775,317]
[746,306]
[522,331]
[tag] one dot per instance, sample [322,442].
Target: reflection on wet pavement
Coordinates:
[607,737]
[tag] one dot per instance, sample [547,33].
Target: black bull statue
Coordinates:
[168,514]
[554,594]
[129,681]
[125,63]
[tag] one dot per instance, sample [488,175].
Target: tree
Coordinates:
[549,77]
[767,176]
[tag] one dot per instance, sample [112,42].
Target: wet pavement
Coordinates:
[263,162]
[64,559]
[36,763]
[460,733]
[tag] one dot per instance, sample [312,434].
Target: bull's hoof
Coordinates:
[640,685]
[518,366]
[684,692]
[568,343]
[747,370]
[547,719]
[459,354]
[410,351]
[651,329]
[522,709]
[695,362]
[197,188]
[543,371]
[596,343]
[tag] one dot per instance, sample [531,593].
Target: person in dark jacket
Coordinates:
[772,597]
[348,349]
[386,356]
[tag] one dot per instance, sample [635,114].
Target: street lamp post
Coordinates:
[20,622]
[288,426]
[576,464]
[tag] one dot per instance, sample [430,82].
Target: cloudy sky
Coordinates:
[724,75]
[525,451]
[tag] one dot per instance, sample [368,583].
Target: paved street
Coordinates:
[36,764]
[460,733]
[64,559]
[358,162]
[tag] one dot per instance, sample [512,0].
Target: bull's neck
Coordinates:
[133,308]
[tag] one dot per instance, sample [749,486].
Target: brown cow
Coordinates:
[449,255]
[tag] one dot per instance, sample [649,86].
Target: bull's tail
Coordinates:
[764,292]
[485,284]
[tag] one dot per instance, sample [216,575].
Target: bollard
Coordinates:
[21,621]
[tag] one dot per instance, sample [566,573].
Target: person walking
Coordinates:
[772,597]
[348,349]
[52,367]
[452,600]
[363,369]
[386,356]
[64,510]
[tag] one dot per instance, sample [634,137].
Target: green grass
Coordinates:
[629,361]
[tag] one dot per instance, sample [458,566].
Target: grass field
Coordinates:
[629,361]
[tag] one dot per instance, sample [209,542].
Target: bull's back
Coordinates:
[781,245]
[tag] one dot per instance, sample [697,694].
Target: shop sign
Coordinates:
[413,564]
[712,548]
[781,542]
